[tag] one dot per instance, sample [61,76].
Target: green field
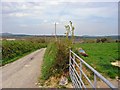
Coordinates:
[100,57]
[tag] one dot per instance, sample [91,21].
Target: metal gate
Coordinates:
[78,76]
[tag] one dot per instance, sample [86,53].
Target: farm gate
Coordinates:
[80,76]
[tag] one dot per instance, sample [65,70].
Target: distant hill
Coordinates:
[93,37]
[10,35]
[6,34]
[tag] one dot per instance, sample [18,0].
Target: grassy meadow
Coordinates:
[100,57]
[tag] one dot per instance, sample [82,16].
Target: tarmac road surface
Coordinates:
[23,73]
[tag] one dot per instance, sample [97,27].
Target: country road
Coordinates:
[24,72]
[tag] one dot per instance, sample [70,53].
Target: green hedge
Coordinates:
[13,49]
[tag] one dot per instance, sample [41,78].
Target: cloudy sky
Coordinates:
[89,18]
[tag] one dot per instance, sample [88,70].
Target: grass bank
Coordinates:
[56,60]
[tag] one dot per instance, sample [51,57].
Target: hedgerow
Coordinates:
[13,49]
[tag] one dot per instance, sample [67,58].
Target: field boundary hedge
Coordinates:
[13,50]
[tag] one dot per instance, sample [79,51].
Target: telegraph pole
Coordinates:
[55,32]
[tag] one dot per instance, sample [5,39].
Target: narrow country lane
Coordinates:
[24,72]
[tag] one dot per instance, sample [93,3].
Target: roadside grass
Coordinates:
[100,57]
[48,61]
[56,60]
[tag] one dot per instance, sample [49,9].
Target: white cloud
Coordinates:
[100,12]
[45,21]
[44,14]
[24,6]
[60,1]
[53,3]
[24,25]
[19,14]
[60,12]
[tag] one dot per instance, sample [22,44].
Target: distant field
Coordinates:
[100,57]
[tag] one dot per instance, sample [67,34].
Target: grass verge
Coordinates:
[56,60]
[49,60]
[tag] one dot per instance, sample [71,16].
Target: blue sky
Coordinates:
[89,18]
